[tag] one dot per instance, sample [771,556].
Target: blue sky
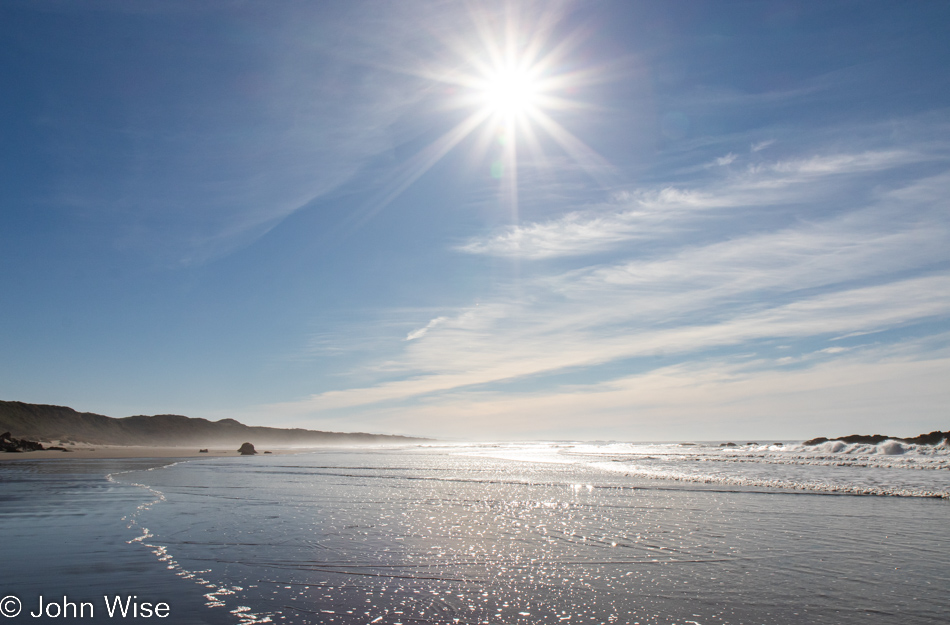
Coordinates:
[705,220]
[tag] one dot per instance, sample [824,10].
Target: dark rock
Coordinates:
[934,438]
[30,445]
[202,451]
[267,452]
[58,449]
[728,445]
[867,439]
[247,450]
[10,444]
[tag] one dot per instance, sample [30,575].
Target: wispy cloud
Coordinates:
[416,334]
[654,213]
[579,340]
[706,400]
[249,130]
[837,164]
[724,160]
[873,263]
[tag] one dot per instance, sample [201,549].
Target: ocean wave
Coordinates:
[891,467]
[889,454]
[845,488]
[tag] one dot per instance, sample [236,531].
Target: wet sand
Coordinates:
[65,531]
[389,536]
[109,452]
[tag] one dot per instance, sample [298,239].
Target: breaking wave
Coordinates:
[893,468]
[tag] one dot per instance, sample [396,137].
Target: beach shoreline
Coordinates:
[116,452]
[356,534]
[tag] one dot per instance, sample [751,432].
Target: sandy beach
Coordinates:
[106,452]
[523,534]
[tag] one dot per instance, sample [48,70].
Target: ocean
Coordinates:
[507,533]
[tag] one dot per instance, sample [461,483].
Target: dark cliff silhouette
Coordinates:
[39,422]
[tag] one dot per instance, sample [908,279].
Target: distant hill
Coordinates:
[48,423]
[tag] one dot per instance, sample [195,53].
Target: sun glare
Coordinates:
[511,92]
[512,76]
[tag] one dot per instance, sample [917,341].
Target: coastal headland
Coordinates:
[35,428]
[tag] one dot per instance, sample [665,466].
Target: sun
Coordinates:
[514,80]
[511,75]
[511,92]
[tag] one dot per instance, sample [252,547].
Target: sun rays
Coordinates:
[510,76]
[516,78]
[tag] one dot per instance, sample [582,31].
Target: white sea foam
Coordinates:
[215,598]
[887,468]
[838,453]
